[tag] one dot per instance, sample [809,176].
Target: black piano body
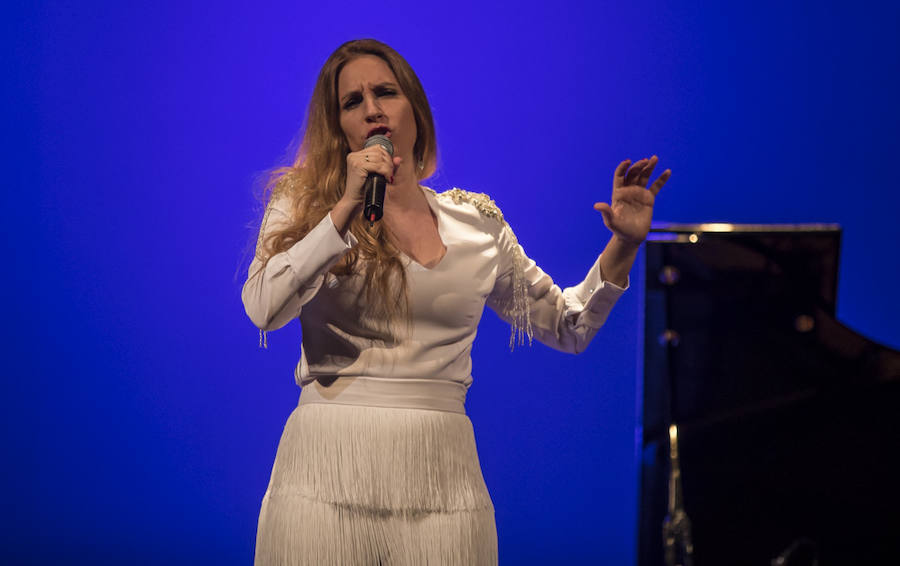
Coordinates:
[788,421]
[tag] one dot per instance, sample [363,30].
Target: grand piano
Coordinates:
[770,432]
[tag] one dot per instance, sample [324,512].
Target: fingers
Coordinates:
[660,181]
[644,177]
[373,159]
[639,174]
[633,174]
[619,175]
[360,164]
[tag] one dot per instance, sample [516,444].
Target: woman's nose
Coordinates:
[373,109]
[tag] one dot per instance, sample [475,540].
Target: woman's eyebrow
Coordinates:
[385,84]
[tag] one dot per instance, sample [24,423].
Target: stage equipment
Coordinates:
[787,422]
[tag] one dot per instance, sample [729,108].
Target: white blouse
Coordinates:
[483,265]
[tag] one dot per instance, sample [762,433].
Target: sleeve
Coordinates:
[564,319]
[274,293]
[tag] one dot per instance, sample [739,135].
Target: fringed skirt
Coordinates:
[355,485]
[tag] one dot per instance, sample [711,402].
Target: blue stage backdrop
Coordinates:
[142,418]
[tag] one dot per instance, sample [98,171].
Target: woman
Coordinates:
[378,463]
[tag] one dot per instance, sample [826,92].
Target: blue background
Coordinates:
[141,419]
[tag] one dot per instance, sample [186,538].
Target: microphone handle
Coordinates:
[373,207]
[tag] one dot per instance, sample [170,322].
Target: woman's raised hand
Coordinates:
[631,209]
[374,159]
[360,163]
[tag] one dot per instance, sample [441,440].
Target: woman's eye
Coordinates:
[354,101]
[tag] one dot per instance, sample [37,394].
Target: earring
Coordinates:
[420,164]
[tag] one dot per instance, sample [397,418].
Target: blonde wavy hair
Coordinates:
[315,181]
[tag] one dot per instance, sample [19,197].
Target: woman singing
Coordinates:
[377,464]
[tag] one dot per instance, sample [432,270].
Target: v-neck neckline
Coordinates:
[430,196]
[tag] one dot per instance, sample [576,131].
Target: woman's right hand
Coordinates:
[360,163]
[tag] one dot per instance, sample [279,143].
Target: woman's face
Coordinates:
[371,102]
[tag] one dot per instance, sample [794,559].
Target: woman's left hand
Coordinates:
[632,200]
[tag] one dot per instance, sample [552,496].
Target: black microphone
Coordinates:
[373,206]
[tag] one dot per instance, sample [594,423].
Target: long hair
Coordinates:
[314,183]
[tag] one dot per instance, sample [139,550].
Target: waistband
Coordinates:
[430,394]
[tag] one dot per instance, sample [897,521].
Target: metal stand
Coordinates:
[679,550]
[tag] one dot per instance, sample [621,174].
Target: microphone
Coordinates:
[373,206]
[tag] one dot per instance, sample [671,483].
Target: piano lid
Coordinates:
[691,233]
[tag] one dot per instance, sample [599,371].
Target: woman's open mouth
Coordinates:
[379,131]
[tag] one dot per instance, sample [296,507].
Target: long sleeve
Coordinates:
[274,294]
[564,319]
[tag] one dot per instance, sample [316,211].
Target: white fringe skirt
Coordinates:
[355,485]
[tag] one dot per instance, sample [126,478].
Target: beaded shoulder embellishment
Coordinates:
[485,204]
[517,309]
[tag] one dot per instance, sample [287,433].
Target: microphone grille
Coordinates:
[383,141]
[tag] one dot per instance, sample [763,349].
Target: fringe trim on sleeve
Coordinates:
[263,337]
[518,310]
[262,228]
